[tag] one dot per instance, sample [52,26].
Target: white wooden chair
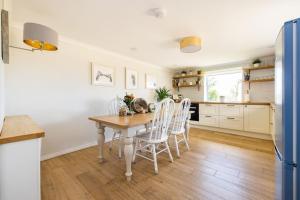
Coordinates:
[156,134]
[113,109]
[177,127]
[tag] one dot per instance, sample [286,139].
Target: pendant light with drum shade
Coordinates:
[39,37]
[190,44]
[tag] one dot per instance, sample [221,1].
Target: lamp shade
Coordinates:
[190,44]
[40,37]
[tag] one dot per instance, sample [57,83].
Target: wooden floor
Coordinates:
[218,166]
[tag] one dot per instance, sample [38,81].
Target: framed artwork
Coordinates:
[131,77]
[102,75]
[151,82]
[4,36]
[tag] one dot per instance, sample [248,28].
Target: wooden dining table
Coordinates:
[128,125]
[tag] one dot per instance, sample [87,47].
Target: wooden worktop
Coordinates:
[237,103]
[19,128]
[124,121]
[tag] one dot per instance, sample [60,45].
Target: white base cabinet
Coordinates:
[247,118]
[257,118]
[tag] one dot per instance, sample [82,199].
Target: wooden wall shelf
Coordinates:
[259,68]
[188,76]
[260,80]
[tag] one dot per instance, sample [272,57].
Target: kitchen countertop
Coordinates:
[19,128]
[236,103]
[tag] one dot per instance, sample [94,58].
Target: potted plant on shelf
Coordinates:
[162,93]
[256,62]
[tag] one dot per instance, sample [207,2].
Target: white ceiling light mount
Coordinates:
[190,44]
[157,13]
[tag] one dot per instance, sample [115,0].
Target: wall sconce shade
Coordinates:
[40,37]
[190,44]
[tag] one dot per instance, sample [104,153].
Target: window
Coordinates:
[220,83]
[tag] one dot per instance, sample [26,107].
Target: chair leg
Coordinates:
[176,145]
[154,159]
[169,152]
[120,147]
[186,142]
[137,142]
[112,140]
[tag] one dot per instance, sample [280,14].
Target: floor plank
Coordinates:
[218,166]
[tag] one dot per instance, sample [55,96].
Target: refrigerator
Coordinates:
[287,102]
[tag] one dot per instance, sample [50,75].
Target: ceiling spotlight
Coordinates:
[157,12]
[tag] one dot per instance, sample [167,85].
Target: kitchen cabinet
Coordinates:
[257,118]
[235,123]
[209,109]
[231,110]
[209,120]
[272,122]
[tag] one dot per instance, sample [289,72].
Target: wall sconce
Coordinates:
[39,37]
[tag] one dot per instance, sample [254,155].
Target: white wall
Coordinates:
[260,92]
[55,89]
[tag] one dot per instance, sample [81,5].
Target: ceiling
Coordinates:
[231,30]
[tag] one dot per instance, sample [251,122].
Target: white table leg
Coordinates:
[101,140]
[128,153]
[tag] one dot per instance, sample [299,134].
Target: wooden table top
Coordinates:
[124,121]
[18,128]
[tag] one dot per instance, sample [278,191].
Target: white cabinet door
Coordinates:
[235,123]
[208,109]
[232,110]
[209,120]
[272,122]
[257,118]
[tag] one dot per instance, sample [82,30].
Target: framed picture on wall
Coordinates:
[151,82]
[131,77]
[102,75]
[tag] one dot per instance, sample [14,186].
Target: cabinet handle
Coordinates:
[230,105]
[230,118]
[208,104]
[207,116]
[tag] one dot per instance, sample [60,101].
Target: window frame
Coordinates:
[221,72]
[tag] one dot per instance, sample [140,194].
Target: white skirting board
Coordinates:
[70,150]
[235,132]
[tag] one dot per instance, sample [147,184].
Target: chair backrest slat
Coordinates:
[181,115]
[161,120]
[115,105]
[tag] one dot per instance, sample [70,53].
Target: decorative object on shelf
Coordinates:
[256,62]
[139,105]
[246,76]
[123,111]
[222,98]
[187,83]
[131,77]
[151,82]
[183,73]
[151,107]
[190,44]
[102,75]
[162,93]
[198,72]
[128,98]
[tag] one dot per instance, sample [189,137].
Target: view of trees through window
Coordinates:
[228,85]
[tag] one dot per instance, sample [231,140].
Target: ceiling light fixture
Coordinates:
[190,44]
